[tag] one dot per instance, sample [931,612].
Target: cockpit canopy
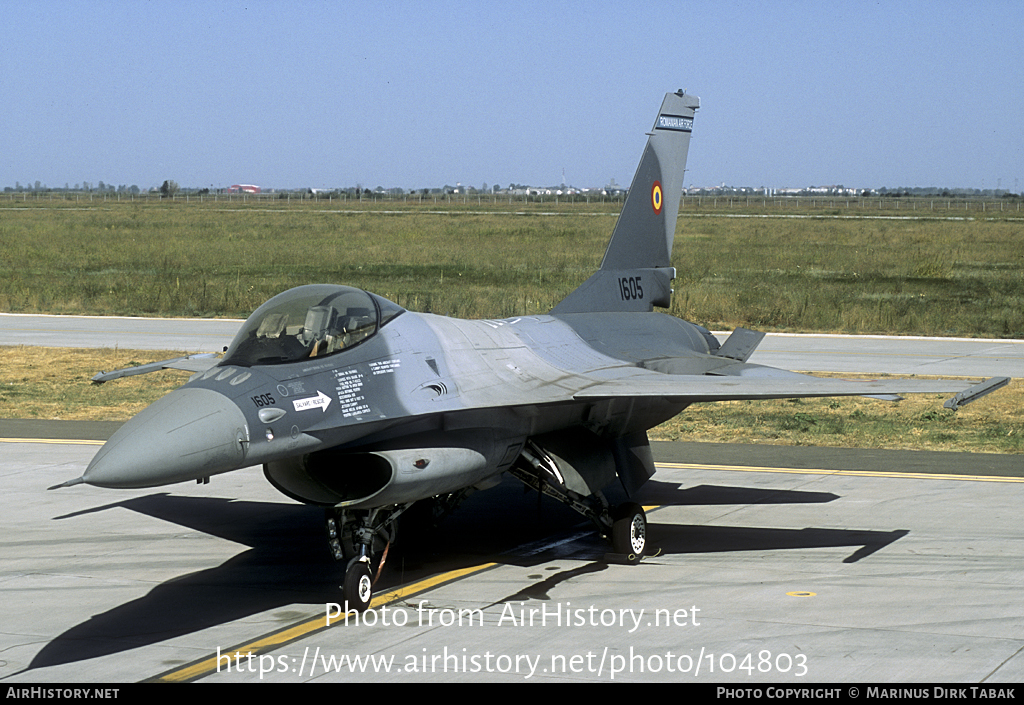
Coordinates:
[309,322]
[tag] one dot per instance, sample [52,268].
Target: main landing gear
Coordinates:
[625,525]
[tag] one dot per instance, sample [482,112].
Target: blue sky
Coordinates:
[413,94]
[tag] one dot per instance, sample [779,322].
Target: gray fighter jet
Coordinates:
[350,402]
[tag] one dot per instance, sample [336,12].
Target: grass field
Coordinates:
[194,260]
[824,273]
[819,272]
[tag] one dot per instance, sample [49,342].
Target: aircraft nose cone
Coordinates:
[188,434]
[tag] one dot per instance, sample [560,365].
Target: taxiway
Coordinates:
[774,564]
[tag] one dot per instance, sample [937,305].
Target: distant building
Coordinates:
[244,188]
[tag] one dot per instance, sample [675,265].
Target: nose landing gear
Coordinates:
[356,537]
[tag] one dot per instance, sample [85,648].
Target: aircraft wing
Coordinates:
[190,363]
[705,388]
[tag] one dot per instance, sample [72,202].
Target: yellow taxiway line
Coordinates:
[269,642]
[846,473]
[54,441]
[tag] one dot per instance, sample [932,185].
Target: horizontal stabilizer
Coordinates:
[741,344]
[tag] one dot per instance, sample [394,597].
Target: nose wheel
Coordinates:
[358,587]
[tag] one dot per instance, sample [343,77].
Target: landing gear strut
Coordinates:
[356,537]
[625,526]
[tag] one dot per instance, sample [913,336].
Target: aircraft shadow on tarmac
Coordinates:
[679,538]
[287,562]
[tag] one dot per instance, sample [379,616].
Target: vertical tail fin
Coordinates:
[636,272]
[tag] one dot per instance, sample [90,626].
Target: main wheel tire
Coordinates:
[358,587]
[629,529]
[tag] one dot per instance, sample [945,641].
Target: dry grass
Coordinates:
[55,383]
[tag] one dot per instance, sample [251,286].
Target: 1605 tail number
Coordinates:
[630,289]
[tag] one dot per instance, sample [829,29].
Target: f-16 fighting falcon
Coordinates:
[350,402]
